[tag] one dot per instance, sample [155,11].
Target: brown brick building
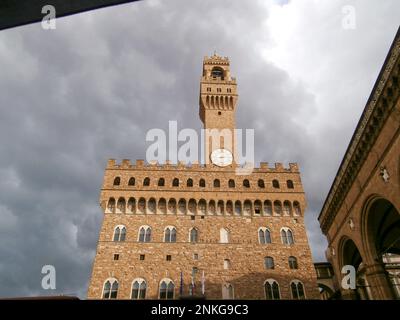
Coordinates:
[361,214]
[175,229]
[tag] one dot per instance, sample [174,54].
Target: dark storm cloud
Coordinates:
[73,97]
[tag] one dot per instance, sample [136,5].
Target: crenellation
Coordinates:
[139,163]
[196,166]
[126,163]
[110,163]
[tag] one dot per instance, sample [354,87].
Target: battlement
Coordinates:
[216,59]
[141,164]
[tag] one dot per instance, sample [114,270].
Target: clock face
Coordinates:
[221,157]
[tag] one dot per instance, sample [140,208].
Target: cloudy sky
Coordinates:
[73,97]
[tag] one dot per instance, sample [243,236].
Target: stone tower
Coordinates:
[172,230]
[218,98]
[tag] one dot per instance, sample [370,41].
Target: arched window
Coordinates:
[216,183]
[110,289]
[131,181]
[297,209]
[275,184]
[227,291]
[257,207]
[162,206]
[141,205]
[269,263]
[119,233]
[167,289]
[152,205]
[217,73]
[182,206]
[189,183]
[271,288]
[192,206]
[261,183]
[229,207]
[172,206]
[267,207]
[287,236]
[297,289]
[161,182]
[121,205]
[202,206]
[146,182]
[139,287]
[231,183]
[111,205]
[170,234]
[293,263]
[194,234]
[131,207]
[247,208]
[264,236]
[211,207]
[117,181]
[175,182]
[246,183]
[202,183]
[220,207]
[144,234]
[224,235]
[238,207]
[277,207]
[287,208]
[290,236]
[290,184]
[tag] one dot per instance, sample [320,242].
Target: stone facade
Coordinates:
[360,216]
[227,212]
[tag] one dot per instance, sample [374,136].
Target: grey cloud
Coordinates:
[88,91]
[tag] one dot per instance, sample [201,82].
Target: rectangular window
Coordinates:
[195,256]
[192,217]
[226,264]
[169,257]
[141,257]
[116,256]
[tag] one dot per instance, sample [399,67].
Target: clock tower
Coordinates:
[218,98]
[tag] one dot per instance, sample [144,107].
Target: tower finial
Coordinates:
[215,53]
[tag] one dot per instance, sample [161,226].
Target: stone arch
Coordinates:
[380,233]
[211,207]
[229,207]
[202,206]
[220,207]
[151,206]
[325,291]
[172,206]
[182,206]
[162,206]
[121,205]
[379,217]
[131,206]
[192,206]
[349,254]
[141,205]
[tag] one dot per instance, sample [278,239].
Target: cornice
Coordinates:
[380,104]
